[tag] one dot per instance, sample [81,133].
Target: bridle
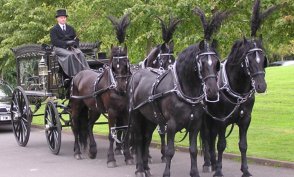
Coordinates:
[255,50]
[160,60]
[114,76]
[198,68]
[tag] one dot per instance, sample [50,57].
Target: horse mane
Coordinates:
[257,17]
[168,29]
[214,24]
[120,26]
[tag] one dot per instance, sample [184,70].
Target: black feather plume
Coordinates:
[258,18]
[202,16]
[168,31]
[120,26]
[214,24]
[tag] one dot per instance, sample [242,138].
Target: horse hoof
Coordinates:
[92,156]
[148,173]
[118,152]
[149,159]
[130,162]
[111,164]
[218,175]
[206,169]
[140,174]
[247,174]
[78,156]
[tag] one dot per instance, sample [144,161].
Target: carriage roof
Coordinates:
[33,50]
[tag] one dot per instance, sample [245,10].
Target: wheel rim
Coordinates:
[20,116]
[52,127]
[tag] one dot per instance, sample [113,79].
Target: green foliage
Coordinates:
[29,21]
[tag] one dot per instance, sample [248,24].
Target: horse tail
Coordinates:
[83,128]
[168,29]
[79,114]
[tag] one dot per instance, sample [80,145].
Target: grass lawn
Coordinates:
[271,133]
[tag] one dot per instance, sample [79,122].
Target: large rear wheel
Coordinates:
[21,116]
[52,127]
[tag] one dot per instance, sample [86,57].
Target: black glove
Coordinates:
[70,43]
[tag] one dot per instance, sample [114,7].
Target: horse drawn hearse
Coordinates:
[39,78]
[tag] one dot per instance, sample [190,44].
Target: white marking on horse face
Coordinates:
[117,65]
[169,61]
[209,61]
[257,58]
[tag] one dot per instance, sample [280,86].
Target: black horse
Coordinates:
[96,93]
[174,98]
[162,55]
[242,74]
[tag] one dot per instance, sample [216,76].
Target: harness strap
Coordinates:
[222,119]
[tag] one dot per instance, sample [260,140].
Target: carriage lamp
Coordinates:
[43,72]
[43,69]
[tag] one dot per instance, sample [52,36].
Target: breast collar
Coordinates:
[225,85]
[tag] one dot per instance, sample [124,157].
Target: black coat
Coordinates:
[59,38]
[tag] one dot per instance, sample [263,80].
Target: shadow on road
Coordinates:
[5,129]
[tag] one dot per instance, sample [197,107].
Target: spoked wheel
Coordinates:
[52,127]
[21,116]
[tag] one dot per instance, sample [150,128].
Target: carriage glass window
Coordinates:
[5,93]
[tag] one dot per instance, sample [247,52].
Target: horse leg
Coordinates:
[163,147]
[221,145]
[150,127]
[93,117]
[118,146]
[243,148]
[193,152]
[139,129]
[75,129]
[212,152]
[205,140]
[170,150]
[126,142]
[111,162]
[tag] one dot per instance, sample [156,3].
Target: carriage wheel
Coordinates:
[52,127]
[21,116]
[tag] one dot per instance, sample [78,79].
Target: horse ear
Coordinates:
[202,45]
[214,44]
[163,47]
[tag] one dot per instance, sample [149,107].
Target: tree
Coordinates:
[29,21]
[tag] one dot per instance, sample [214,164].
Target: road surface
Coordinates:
[35,160]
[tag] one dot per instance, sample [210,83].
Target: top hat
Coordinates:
[61,12]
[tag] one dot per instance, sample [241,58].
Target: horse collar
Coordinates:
[225,85]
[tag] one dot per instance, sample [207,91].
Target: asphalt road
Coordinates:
[35,160]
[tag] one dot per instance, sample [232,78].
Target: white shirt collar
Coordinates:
[61,26]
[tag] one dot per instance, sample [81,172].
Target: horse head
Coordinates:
[255,62]
[163,57]
[120,67]
[208,66]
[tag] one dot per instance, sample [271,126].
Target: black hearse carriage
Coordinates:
[39,82]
